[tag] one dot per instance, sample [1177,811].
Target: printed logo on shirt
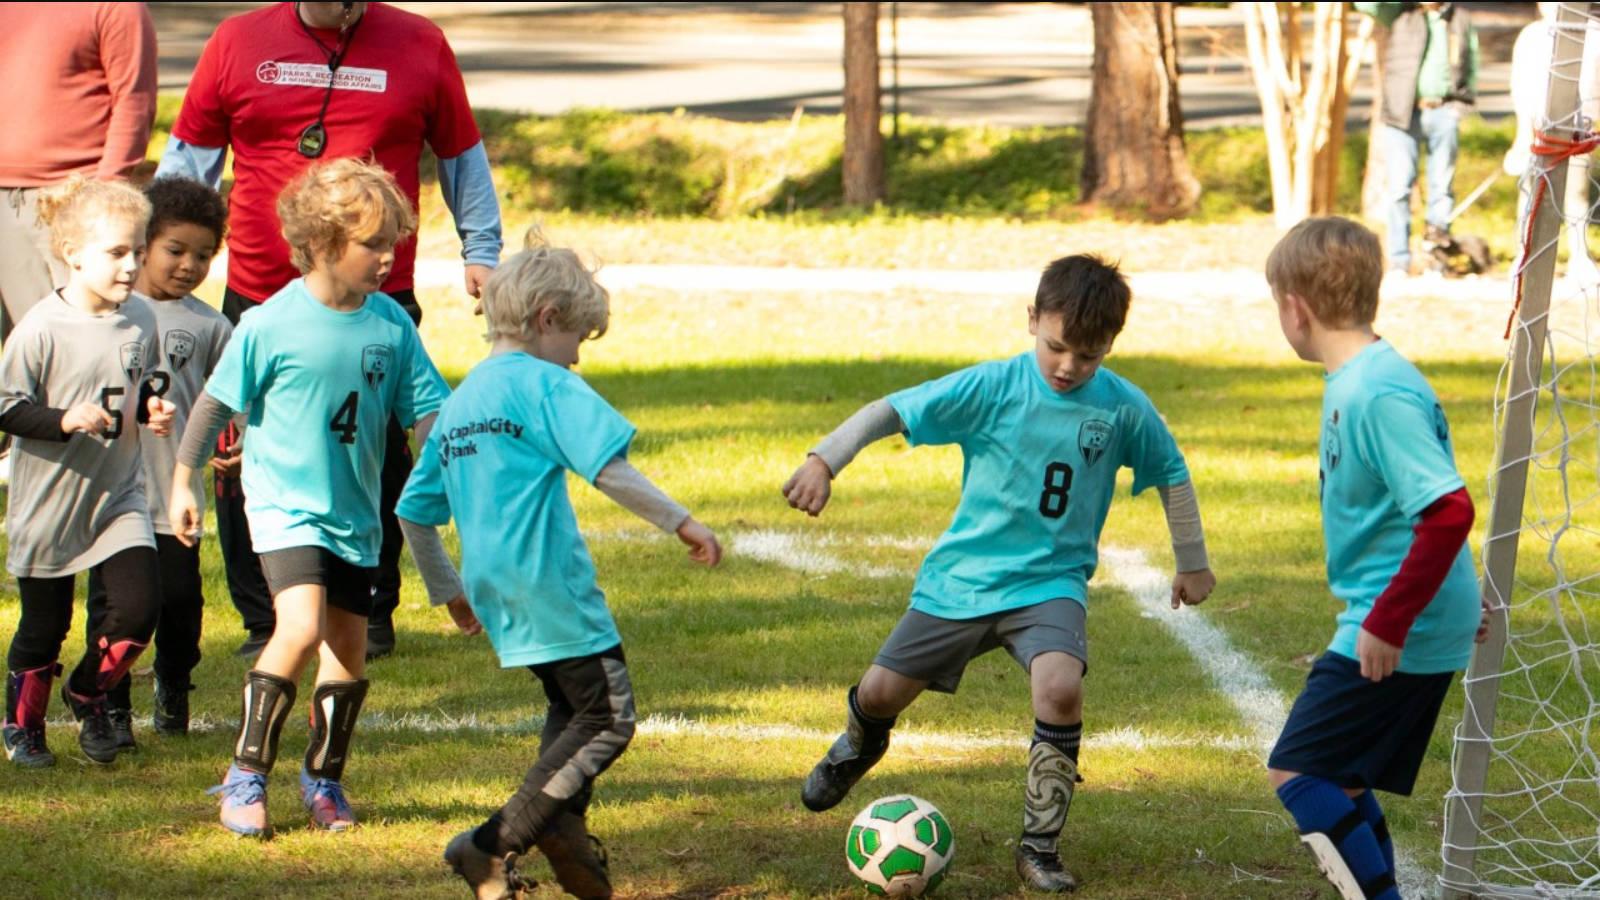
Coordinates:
[375,362]
[457,442]
[1441,425]
[180,347]
[317,75]
[1332,450]
[1094,436]
[133,362]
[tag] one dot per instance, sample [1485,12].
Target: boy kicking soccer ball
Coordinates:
[1395,517]
[1043,435]
[497,463]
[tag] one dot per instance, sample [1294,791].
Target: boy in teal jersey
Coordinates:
[497,463]
[1042,435]
[1395,518]
[319,368]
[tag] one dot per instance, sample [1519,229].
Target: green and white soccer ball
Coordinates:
[900,846]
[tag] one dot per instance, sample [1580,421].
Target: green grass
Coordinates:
[728,392]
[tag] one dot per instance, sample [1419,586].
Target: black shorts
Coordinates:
[1360,734]
[349,586]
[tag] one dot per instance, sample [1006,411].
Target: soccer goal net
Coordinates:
[1522,818]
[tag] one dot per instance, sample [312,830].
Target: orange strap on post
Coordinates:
[1553,150]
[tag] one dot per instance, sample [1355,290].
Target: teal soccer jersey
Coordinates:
[319,386]
[497,461]
[1039,473]
[1386,457]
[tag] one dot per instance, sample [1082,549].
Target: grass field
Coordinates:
[740,671]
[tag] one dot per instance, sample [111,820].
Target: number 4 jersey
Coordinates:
[75,502]
[1039,472]
[320,385]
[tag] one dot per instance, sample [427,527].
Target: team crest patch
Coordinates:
[1094,437]
[180,348]
[133,362]
[267,72]
[1332,450]
[375,361]
[1441,425]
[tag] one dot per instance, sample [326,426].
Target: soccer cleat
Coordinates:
[122,729]
[170,713]
[490,877]
[25,747]
[577,857]
[380,639]
[324,799]
[838,772]
[244,802]
[1333,866]
[1043,871]
[96,735]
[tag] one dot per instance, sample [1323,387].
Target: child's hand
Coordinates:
[1379,658]
[228,465]
[809,487]
[183,513]
[1483,623]
[161,415]
[462,614]
[89,418]
[1192,587]
[703,546]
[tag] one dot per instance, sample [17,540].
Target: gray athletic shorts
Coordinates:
[936,650]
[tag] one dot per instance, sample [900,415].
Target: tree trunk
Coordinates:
[863,141]
[1372,180]
[1133,156]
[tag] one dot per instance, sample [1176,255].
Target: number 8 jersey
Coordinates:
[75,502]
[1039,470]
[319,386]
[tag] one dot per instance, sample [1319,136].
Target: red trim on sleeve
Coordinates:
[1439,534]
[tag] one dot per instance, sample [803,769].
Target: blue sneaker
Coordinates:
[324,799]
[244,802]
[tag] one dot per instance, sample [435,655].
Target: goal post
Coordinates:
[1522,390]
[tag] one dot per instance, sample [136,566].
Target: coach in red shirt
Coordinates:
[292,83]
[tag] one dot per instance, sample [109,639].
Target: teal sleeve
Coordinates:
[584,432]
[1402,439]
[424,500]
[1151,451]
[945,410]
[239,373]
[424,389]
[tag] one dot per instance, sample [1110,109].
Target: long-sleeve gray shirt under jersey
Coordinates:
[619,480]
[878,420]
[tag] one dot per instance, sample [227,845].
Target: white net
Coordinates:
[1523,817]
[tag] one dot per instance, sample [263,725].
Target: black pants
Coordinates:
[590,722]
[177,637]
[246,585]
[132,607]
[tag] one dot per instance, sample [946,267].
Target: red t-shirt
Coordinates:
[260,82]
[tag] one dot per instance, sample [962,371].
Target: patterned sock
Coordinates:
[1065,738]
[1367,805]
[1319,805]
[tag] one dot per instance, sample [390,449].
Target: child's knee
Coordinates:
[1058,687]
[301,635]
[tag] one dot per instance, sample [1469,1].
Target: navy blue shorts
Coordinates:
[1358,734]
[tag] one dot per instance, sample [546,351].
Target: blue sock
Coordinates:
[1320,805]
[1367,805]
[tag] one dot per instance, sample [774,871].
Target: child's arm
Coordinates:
[1437,538]
[809,488]
[44,423]
[206,421]
[1194,581]
[631,490]
[439,574]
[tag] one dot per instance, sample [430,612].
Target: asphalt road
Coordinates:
[1009,63]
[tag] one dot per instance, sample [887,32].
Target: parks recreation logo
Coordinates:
[349,78]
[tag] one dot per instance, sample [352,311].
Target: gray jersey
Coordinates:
[192,337]
[75,503]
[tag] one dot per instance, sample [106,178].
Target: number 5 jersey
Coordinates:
[75,500]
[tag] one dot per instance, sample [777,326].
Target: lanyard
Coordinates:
[314,139]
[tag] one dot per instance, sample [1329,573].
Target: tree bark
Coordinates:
[863,141]
[1133,155]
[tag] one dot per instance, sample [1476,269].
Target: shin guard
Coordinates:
[28,695]
[334,708]
[1052,778]
[116,658]
[268,700]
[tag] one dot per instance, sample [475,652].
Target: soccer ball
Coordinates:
[900,846]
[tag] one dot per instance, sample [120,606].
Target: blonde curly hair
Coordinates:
[540,277]
[342,200]
[73,207]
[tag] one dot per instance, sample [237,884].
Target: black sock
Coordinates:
[1062,737]
[874,731]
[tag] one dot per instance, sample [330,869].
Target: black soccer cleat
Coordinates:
[838,772]
[122,729]
[380,639]
[171,711]
[490,877]
[96,735]
[25,747]
[1042,871]
[577,857]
